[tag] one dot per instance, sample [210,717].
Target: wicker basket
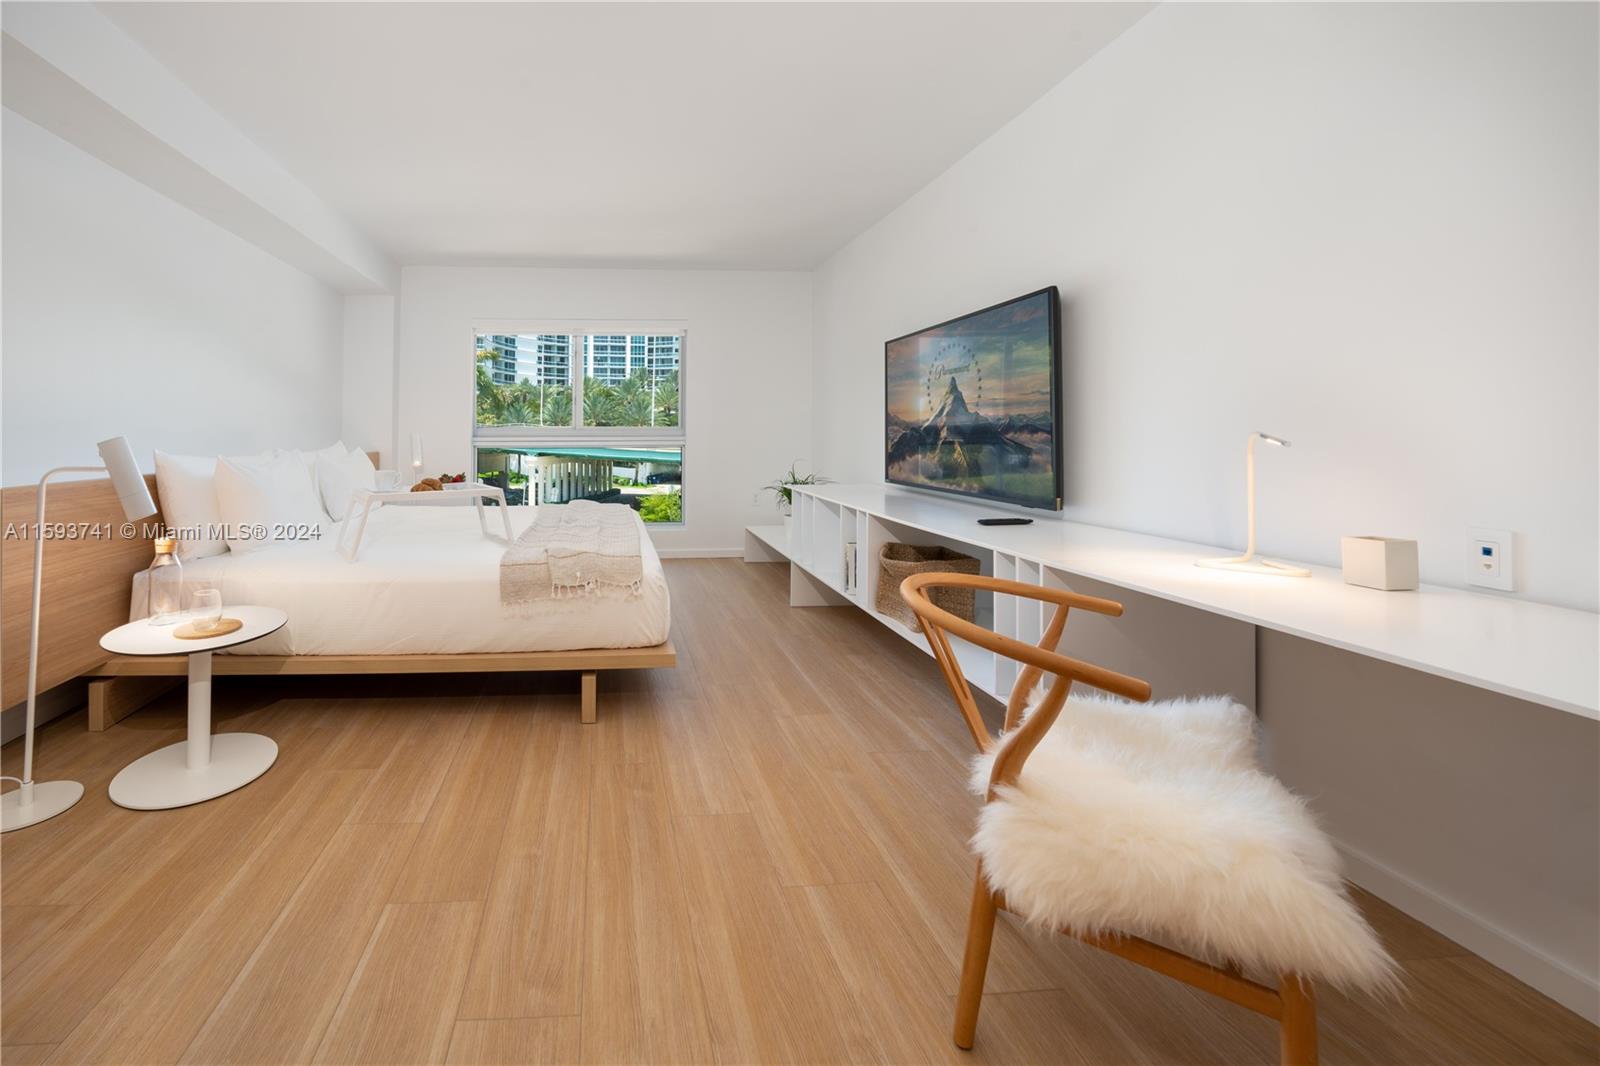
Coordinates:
[896,562]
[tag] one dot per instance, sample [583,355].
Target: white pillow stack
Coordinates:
[338,479]
[266,499]
[203,497]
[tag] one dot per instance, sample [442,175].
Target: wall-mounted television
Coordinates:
[973,405]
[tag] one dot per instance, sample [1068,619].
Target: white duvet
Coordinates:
[426,580]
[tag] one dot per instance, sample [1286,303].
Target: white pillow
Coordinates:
[264,499]
[334,451]
[187,489]
[338,479]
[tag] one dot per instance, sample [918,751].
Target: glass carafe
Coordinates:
[165,584]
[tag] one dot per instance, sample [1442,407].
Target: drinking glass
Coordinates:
[205,609]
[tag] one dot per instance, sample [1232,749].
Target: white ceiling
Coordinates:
[709,135]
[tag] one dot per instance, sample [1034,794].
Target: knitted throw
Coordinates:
[580,548]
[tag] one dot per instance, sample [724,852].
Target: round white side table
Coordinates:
[204,766]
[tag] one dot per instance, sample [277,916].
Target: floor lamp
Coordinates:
[1248,563]
[33,802]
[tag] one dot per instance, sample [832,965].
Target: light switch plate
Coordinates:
[1491,558]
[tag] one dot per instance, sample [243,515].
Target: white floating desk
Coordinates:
[1532,651]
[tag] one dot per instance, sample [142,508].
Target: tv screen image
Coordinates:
[973,404]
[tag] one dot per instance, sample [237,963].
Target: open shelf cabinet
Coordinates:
[829,534]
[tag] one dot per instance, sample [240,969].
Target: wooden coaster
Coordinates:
[192,631]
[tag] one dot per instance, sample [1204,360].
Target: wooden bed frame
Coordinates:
[86,582]
[120,679]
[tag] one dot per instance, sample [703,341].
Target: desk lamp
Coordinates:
[1248,563]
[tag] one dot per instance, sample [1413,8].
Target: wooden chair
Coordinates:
[1291,1003]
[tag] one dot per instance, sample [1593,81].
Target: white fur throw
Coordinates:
[1155,820]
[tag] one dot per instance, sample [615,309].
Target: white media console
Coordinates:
[1174,632]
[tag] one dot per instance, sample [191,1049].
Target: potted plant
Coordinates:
[783,493]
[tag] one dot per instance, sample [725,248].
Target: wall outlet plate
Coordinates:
[1491,558]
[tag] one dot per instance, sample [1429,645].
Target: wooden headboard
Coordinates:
[86,580]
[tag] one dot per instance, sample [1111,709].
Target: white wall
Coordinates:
[747,376]
[367,411]
[128,314]
[1367,228]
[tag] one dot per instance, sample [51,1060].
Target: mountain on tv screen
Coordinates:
[973,404]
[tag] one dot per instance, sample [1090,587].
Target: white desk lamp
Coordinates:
[1248,563]
[31,803]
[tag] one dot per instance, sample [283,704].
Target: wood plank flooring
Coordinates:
[758,857]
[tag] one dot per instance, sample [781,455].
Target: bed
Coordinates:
[423,596]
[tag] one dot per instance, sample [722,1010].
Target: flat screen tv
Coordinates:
[973,404]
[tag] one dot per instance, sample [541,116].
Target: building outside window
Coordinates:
[545,358]
[605,358]
[661,356]
[582,414]
[501,352]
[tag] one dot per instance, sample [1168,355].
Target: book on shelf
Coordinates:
[849,569]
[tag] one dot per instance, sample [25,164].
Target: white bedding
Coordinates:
[426,581]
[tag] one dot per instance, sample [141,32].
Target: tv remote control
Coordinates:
[1005,521]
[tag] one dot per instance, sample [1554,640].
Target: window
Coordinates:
[631,381]
[648,479]
[582,414]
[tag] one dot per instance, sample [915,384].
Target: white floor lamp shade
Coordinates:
[1248,563]
[33,802]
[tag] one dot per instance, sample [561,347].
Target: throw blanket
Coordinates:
[580,548]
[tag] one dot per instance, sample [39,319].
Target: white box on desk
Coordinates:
[1388,563]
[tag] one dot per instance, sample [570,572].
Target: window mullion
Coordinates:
[576,343]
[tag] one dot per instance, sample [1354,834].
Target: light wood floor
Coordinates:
[757,857]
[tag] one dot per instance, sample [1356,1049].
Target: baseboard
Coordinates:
[700,553]
[1578,992]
